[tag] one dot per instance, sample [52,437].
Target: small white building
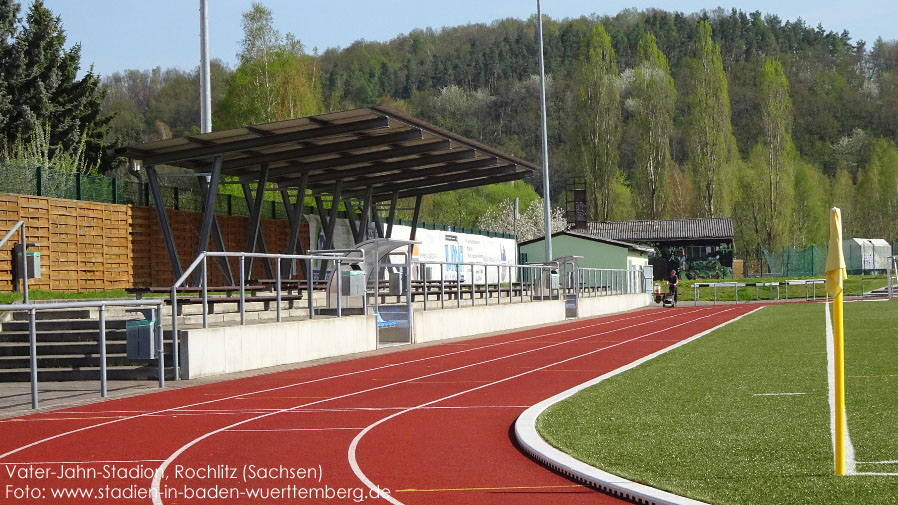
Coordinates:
[866,256]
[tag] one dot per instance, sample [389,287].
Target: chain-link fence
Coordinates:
[793,262]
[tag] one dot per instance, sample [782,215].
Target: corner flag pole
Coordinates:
[835,274]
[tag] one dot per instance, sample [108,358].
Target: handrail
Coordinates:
[20,225]
[201,260]
[32,309]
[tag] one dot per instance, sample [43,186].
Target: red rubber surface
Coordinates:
[453,450]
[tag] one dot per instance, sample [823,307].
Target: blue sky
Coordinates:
[142,34]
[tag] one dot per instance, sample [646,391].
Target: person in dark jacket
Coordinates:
[674,282]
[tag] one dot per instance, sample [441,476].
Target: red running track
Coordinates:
[432,425]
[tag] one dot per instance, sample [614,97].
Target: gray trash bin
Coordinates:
[141,341]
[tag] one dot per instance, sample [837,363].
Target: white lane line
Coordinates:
[534,445]
[778,394]
[850,465]
[291,429]
[160,471]
[889,462]
[351,455]
[321,379]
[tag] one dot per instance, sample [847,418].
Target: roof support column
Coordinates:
[415,216]
[294,214]
[164,224]
[350,216]
[223,263]
[331,224]
[366,214]
[253,229]
[208,214]
[255,222]
[378,224]
[394,200]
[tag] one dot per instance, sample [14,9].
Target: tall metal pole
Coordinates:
[542,107]
[205,85]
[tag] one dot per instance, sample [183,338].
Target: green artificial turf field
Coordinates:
[694,421]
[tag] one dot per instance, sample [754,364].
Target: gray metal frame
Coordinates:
[101,304]
[20,225]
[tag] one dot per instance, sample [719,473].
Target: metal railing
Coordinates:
[20,225]
[475,278]
[202,263]
[608,281]
[101,304]
[533,281]
[809,293]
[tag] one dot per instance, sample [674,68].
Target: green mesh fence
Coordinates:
[791,262]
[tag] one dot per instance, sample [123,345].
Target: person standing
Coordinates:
[674,283]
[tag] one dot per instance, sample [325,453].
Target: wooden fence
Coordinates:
[88,246]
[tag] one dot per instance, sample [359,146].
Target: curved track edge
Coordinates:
[540,450]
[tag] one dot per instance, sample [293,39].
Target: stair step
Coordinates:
[146,372]
[45,315]
[89,335]
[63,324]
[68,361]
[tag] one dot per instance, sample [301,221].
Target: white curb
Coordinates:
[534,445]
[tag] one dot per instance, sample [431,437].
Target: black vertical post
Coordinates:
[331,224]
[350,217]
[77,185]
[39,181]
[255,217]
[209,211]
[394,200]
[378,224]
[293,242]
[164,224]
[415,218]
[219,240]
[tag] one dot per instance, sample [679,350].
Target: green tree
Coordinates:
[709,137]
[275,80]
[40,86]
[599,120]
[776,184]
[876,198]
[652,105]
[810,223]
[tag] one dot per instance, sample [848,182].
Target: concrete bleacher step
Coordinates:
[56,325]
[68,346]
[43,315]
[145,372]
[87,335]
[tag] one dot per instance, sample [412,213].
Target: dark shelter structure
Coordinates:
[700,247]
[359,157]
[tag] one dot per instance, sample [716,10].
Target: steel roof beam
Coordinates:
[257,142]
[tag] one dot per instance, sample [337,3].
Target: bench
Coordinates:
[228,290]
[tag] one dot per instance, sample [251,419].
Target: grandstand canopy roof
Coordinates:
[374,147]
[663,230]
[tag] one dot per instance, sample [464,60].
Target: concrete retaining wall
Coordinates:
[465,321]
[605,305]
[236,348]
[212,351]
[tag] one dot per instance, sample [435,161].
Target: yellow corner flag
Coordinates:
[835,274]
[835,260]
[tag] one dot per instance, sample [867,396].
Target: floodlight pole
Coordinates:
[205,85]
[542,107]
